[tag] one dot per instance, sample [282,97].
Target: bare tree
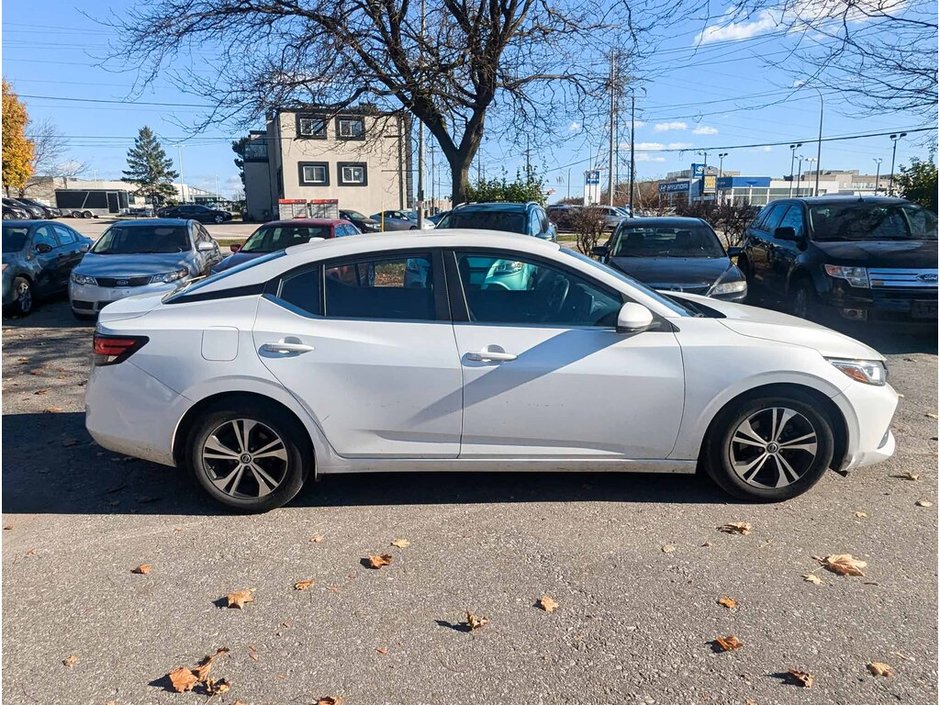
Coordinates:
[49,150]
[516,66]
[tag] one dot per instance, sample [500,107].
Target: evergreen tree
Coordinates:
[150,169]
[17,147]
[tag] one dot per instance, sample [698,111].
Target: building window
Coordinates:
[350,128]
[352,174]
[314,174]
[311,127]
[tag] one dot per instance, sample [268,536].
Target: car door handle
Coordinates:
[491,353]
[287,346]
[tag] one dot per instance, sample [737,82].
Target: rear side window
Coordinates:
[63,235]
[793,219]
[302,290]
[390,288]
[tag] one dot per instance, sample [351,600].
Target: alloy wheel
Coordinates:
[24,295]
[773,447]
[245,459]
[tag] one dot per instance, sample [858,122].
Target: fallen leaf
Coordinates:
[739,527]
[201,671]
[475,622]
[52,410]
[182,679]
[382,650]
[40,392]
[547,603]
[860,515]
[142,569]
[304,584]
[316,539]
[240,598]
[811,578]
[706,544]
[252,652]
[923,503]
[844,564]
[802,678]
[728,643]
[377,562]
[218,687]
[668,548]
[880,669]
[913,477]
[70,661]
[930,415]
[728,602]
[327,701]
[401,543]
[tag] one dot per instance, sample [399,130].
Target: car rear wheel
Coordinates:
[769,448]
[251,457]
[23,303]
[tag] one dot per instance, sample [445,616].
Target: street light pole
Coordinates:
[793,148]
[819,141]
[877,174]
[799,173]
[721,170]
[894,152]
[632,155]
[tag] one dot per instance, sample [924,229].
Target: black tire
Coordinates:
[803,302]
[268,419]
[25,301]
[718,447]
[87,215]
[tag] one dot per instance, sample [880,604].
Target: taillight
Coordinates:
[112,349]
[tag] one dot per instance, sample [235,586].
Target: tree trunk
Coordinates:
[460,175]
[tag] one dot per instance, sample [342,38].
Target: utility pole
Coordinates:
[793,148]
[704,172]
[182,187]
[721,170]
[421,136]
[433,196]
[894,152]
[569,183]
[819,142]
[799,173]
[877,174]
[632,143]
[613,118]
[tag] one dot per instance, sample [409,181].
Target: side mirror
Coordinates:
[600,250]
[634,318]
[786,233]
[205,247]
[235,248]
[43,248]
[735,251]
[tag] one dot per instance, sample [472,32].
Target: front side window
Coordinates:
[352,174]
[793,218]
[508,289]
[143,239]
[774,216]
[63,235]
[693,240]
[871,221]
[311,126]
[350,128]
[387,288]
[279,237]
[314,174]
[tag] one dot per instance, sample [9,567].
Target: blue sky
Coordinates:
[718,95]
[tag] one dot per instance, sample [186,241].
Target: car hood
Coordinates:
[235,259]
[916,254]
[779,327]
[675,272]
[131,265]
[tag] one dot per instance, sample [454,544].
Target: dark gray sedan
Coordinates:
[675,254]
[38,257]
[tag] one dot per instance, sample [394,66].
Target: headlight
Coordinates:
[864,371]
[169,276]
[83,279]
[504,267]
[856,276]
[728,288]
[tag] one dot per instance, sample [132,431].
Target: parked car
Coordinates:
[436,218]
[14,211]
[47,212]
[675,254]
[267,375]
[32,212]
[134,257]
[38,257]
[846,257]
[281,234]
[399,220]
[562,215]
[193,211]
[524,218]
[364,223]
[144,211]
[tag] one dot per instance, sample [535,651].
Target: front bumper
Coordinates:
[868,411]
[882,305]
[91,298]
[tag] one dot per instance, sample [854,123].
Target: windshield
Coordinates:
[14,238]
[507,221]
[653,241]
[142,239]
[671,304]
[355,214]
[283,236]
[871,221]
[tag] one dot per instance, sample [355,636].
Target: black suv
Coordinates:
[193,211]
[856,258]
[524,218]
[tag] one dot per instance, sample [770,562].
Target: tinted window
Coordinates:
[14,238]
[871,221]
[507,221]
[63,235]
[772,221]
[504,288]
[43,234]
[694,240]
[302,290]
[279,237]
[400,288]
[143,239]
[793,218]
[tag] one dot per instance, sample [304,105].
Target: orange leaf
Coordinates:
[880,669]
[201,672]
[304,584]
[182,679]
[401,543]
[844,564]
[316,539]
[728,602]
[142,569]
[547,603]
[326,700]
[377,562]
[475,622]
[218,687]
[240,598]
[728,643]
[740,527]
[802,678]
[382,650]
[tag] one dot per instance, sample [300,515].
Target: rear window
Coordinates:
[507,221]
[14,238]
[652,241]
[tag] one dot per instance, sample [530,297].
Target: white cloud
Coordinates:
[644,157]
[705,130]
[638,124]
[649,146]
[680,145]
[574,127]
[727,29]
[674,125]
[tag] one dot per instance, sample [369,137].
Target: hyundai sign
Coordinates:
[675,187]
[698,170]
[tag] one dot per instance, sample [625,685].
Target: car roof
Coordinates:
[35,221]
[844,198]
[306,221]
[494,206]
[665,221]
[155,221]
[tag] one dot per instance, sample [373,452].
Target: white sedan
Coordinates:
[473,350]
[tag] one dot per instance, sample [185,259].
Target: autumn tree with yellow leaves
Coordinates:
[17,147]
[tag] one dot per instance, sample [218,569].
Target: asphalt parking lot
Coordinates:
[635,563]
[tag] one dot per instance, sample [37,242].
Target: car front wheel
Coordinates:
[769,448]
[23,304]
[219,219]
[251,457]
